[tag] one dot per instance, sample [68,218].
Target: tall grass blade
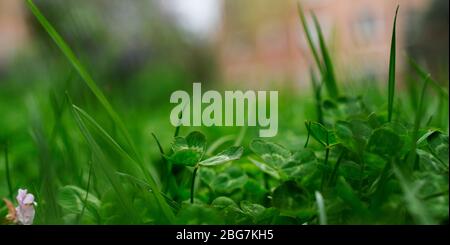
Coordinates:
[85,202]
[67,51]
[308,128]
[427,76]
[309,37]
[97,92]
[219,142]
[123,153]
[414,204]
[391,85]
[317,88]
[418,120]
[161,150]
[240,136]
[321,208]
[328,76]
[100,162]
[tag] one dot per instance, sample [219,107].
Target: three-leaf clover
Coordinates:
[280,162]
[190,151]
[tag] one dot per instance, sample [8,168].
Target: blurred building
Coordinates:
[256,41]
[13,31]
[263,40]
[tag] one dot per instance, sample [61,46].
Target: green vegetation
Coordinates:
[356,160]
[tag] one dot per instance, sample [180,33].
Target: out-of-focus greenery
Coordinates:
[88,155]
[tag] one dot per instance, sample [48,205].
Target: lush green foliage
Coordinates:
[356,162]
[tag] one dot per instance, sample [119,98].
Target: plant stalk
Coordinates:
[325,173]
[193,183]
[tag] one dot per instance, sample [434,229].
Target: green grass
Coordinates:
[65,49]
[392,69]
[325,65]
[337,159]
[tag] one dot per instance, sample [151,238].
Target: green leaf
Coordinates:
[71,198]
[348,195]
[252,209]
[266,168]
[321,134]
[353,134]
[415,206]
[392,70]
[230,154]
[425,136]
[303,163]
[188,151]
[439,146]
[196,140]
[186,157]
[226,183]
[179,144]
[223,202]
[273,154]
[198,215]
[385,142]
[289,198]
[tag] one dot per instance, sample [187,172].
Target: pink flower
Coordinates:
[25,210]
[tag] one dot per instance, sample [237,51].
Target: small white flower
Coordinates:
[25,210]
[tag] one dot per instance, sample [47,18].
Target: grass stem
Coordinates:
[87,193]
[193,183]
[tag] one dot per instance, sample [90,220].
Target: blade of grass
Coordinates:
[101,163]
[166,172]
[161,151]
[87,193]
[122,152]
[240,136]
[418,121]
[321,208]
[334,175]
[308,128]
[329,77]
[47,165]
[414,204]
[98,94]
[309,37]
[427,76]
[177,128]
[174,205]
[392,69]
[317,87]
[217,143]
[67,51]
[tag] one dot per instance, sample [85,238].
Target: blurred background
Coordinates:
[159,41]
